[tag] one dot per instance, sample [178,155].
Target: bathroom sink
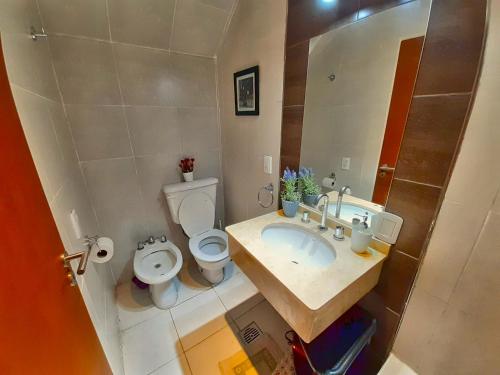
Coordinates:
[299,245]
[309,278]
[349,211]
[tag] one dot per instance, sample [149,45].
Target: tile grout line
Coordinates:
[443,94]
[408,255]
[417,183]
[115,42]
[127,127]
[172,27]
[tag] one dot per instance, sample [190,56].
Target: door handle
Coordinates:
[386,168]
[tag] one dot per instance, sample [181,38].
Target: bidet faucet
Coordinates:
[339,199]
[322,226]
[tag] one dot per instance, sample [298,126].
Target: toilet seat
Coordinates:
[157,263]
[210,246]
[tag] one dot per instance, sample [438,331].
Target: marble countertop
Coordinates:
[314,287]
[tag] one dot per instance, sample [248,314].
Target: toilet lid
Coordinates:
[196,214]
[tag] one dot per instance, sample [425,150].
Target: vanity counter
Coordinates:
[308,298]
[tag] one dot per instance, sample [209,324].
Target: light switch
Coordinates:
[268,164]
[346,164]
[75,224]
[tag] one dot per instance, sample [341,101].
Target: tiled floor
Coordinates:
[200,331]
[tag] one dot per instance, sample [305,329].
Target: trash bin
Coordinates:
[338,348]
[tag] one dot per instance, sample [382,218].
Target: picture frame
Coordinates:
[246,92]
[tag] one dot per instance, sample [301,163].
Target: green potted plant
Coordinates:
[290,196]
[308,186]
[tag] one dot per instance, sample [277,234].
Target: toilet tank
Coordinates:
[176,193]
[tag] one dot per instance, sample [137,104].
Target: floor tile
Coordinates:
[230,270]
[269,321]
[198,318]
[235,290]
[393,366]
[190,283]
[177,366]
[204,358]
[134,305]
[150,344]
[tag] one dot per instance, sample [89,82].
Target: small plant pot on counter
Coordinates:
[188,176]
[309,199]
[290,208]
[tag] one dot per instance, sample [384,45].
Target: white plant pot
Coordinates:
[188,176]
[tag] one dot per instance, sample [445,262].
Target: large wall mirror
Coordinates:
[360,80]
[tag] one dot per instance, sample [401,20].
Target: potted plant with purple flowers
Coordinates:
[290,196]
[308,186]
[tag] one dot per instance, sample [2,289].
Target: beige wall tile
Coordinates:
[145,76]
[77,17]
[154,130]
[454,236]
[85,70]
[115,194]
[199,129]
[221,4]
[99,132]
[415,335]
[198,28]
[17,16]
[146,22]
[29,64]
[477,289]
[193,81]
[39,131]
[63,133]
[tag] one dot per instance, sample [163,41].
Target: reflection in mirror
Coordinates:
[360,80]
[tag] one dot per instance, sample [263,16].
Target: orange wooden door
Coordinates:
[45,327]
[402,92]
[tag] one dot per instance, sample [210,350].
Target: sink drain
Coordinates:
[157,265]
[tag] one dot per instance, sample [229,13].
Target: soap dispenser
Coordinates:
[361,235]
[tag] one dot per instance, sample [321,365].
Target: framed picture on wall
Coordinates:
[246,92]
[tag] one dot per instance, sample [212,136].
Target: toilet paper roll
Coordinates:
[102,250]
[328,182]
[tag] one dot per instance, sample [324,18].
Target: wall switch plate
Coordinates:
[75,224]
[346,164]
[268,164]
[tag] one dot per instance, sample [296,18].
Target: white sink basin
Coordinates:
[299,245]
[349,211]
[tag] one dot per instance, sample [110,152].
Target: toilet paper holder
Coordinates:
[83,255]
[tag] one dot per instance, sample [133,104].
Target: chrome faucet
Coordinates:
[339,199]
[322,226]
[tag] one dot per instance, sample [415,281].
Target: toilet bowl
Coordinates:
[192,205]
[211,253]
[158,264]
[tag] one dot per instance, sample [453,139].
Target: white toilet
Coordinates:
[192,205]
[157,264]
